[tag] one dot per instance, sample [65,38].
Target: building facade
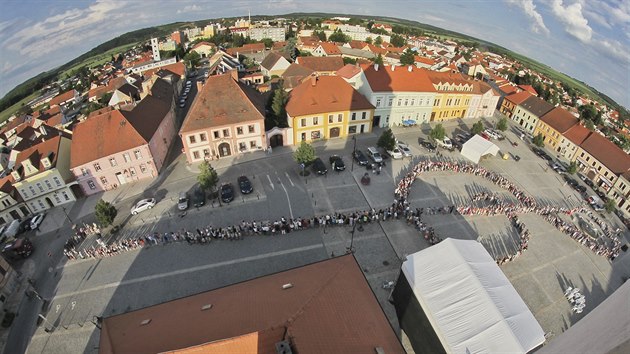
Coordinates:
[553,125]
[529,112]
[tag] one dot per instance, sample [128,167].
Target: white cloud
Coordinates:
[614,49]
[572,18]
[538,24]
[189,8]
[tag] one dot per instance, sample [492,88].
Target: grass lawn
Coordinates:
[97,59]
[4,115]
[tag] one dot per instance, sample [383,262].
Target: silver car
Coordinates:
[143,205]
[404,149]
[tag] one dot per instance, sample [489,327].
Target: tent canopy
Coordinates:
[477,147]
[470,303]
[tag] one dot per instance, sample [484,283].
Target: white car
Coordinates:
[395,153]
[445,143]
[37,220]
[404,149]
[143,205]
[491,133]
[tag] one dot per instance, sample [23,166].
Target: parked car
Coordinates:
[245,185]
[427,145]
[445,143]
[143,205]
[461,138]
[557,167]
[498,134]
[25,225]
[515,157]
[17,249]
[485,136]
[404,149]
[570,181]
[319,167]
[360,158]
[596,203]
[182,104]
[602,195]
[37,220]
[337,163]
[491,133]
[395,153]
[182,201]
[199,197]
[374,154]
[227,193]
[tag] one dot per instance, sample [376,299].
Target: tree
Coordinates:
[437,132]
[407,57]
[192,59]
[387,140]
[320,34]
[378,41]
[589,125]
[208,177]
[539,140]
[278,107]
[339,37]
[378,59]
[398,40]
[502,125]
[610,205]
[477,128]
[268,42]
[348,60]
[369,40]
[304,154]
[572,168]
[105,213]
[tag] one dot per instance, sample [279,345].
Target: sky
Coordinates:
[586,39]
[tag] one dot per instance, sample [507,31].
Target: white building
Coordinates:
[276,34]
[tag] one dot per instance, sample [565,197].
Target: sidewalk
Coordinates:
[13,302]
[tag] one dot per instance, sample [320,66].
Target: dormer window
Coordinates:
[46,163]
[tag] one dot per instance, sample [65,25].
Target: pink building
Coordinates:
[123,146]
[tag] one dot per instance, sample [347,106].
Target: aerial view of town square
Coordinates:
[292,176]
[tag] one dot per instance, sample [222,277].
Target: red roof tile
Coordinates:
[529,88]
[37,153]
[577,134]
[559,119]
[349,71]
[398,80]
[68,95]
[321,63]
[330,48]
[519,97]
[325,94]
[607,153]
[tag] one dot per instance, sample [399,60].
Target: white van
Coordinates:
[445,143]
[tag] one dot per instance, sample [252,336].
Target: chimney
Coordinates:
[410,68]
[199,86]
[375,67]
[393,67]
[313,80]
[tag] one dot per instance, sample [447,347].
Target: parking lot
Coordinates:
[142,277]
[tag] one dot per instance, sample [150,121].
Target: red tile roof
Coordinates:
[424,60]
[349,71]
[354,44]
[330,308]
[325,94]
[330,48]
[577,134]
[321,64]
[398,80]
[559,119]
[66,96]
[37,153]
[247,48]
[212,45]
[222,101]
[607,153]
[519,97]
[529,88]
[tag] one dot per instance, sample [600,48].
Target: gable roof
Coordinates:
[296,69]
[383,79]
[607,153]
[330,308]
[202,43]
[63,97]
[271,59]
[349,71]
[559,119]
[36,153]
[325,94]
[330,48]
[536,106]
[321,63]
[518,97]
[222,101]
[577,134]
[529,88]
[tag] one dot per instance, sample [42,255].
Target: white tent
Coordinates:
[477,147]
[469,302]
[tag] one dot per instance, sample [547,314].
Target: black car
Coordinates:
[337,163]
[319,167]
[227,193]
[580,188]
[546,157]
[25,225]
[245,185]
[199,197]
[427,145]
[570,181]
[360,158]
[602,195]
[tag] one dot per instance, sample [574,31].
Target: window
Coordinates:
[315,121]
[192,139]
[315,134]
[352,129]
[303,122]
[97,167]
[195,155]
[242,146]
[399,101]
[132,171]
[413,101]
[206,152]
[331,118]
[143,168]
[48,185]
[216,134]
[65,195]
[406,101]
[339,118]
[41,205]
[252,144]
[84,172]
[138,154]
[251,128]
[91,185]
[39,186]
[239,130]
[303,136]
[126,157]
[24,193]
[104,180]
[112,161]
[202,137]
[226,133]
[390,102]
[57,199]
[363,115]
[378,102]
[354,116]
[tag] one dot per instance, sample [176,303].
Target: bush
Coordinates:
[387,140]
[105,213]
[539,140]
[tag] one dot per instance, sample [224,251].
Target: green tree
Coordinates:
[105,213]
[437,132]
[304,154]
[539,140]
[320,34]
[477,128]
[502,124]
[339,37]
[208,178]
[369,40]
[278,107]
[192,59]
[378,59]
[589,125]
[387,140]
[348,60]
[268,42]
[398,40]
[378,41]
[407,57]
[610,205]
[572,168]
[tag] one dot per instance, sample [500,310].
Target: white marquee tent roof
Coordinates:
[470,303]
[477,147]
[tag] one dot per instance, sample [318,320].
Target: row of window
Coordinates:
[404,101]
[40,187]
[40,204]
[251,129]
[445,114]
[130,172]
[113,162]
[331,118]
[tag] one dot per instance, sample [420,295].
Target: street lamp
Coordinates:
[354,150]
[351,248]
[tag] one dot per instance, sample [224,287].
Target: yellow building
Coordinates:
[453,95]
[327,107]
[553,125]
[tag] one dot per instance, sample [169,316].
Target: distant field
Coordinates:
[98,59]
[4,115]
